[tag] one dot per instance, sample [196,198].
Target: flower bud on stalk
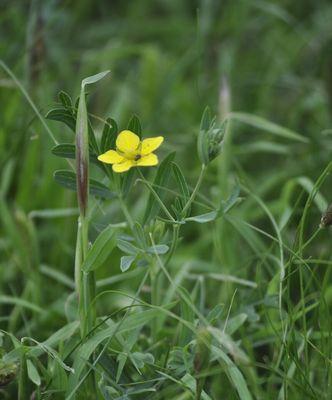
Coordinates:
[210,138]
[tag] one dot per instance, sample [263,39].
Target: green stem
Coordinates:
[155,194]
[78,277]
[194,192]
[176,230]
[22,380]
[126,212]
[88,282]
[154,299]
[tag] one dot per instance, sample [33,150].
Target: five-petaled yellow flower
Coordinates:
[132,152]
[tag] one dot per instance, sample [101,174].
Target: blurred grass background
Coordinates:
[168,60]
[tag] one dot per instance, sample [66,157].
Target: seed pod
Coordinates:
[326,219]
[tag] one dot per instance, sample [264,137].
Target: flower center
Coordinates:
[137,157]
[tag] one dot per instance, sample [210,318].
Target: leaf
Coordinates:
[133,321]
[67,179]
[264,146]
[127,247]
[262,123]
[158,249]
[58,276]
[234,323]
[161,179]
[234,373]
[100,250]
[139,359]
[182,184]
[47,349]
[94,78]
[68,150]
[232,200]
[33,373]
[187,314]
[140,235]
[108,137]
[134,125]
[17,301]
[190,382]
[203,218]
[215,313]
[202,140]
[65,99]
[65,150]
[127,182]
[126,262]
[62,115]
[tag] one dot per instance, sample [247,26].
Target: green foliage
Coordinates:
[212,281]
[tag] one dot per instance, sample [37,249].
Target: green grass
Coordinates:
[229,296]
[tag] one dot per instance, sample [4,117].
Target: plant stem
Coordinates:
[154,298]
[126,212]
[155,194]
[176,230]
[194,192]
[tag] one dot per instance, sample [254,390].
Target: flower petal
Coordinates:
[127,142]
[147,161]
[111,157]
[122,167]
[151,144]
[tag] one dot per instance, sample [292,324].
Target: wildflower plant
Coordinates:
[148,241]
[153,283]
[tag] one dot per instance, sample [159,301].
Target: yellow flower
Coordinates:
[132,152]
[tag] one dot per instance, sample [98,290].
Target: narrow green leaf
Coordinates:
[133,321]
[127,182]
[234,323]
[190,382]
[67,179]
[262,123]
[68,150]
[202,140]
[234,373]
[203,218]
[127,247]
[182,184]
[158,249]
[62,115]
[33,373]
[232,200]
[65,99]
[140,359]
[161,180]
[108,137]
[100,250]
[134,125]
[65,150]
[126,262]
[94,78]
[4,299]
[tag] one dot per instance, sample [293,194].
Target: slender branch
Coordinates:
[194,192]
[155,194]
